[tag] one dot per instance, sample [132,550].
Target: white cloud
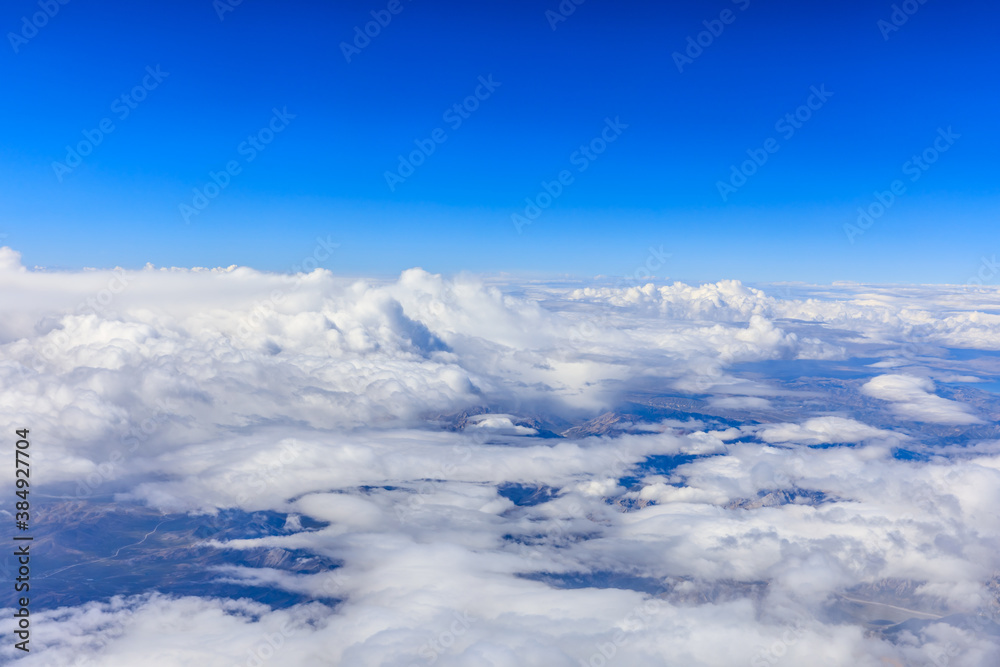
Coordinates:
[821,430]
[501,423]
[741,402]
[10,260]
[338,401]
[913,398]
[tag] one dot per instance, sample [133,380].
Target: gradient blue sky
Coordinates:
[654,186]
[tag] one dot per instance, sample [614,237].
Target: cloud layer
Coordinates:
[749,476]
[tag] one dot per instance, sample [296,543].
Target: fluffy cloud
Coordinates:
[914,398]
[821,430]
[711,518]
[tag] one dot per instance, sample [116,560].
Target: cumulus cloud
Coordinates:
[914,398]
[10,260]
[499,474]
[821,430]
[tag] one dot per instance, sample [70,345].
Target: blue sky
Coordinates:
[655,185]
